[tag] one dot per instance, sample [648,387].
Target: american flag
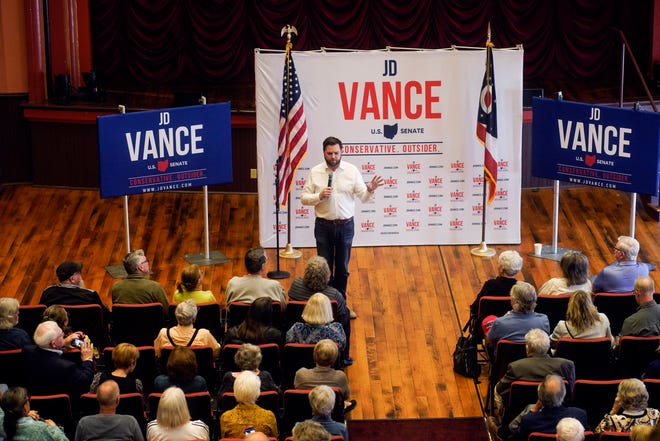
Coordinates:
[292,144]
[487,124]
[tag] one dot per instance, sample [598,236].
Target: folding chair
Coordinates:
[136,323]
[146,368]
[554,306]
[616,306]
[490,305]
[295,356]
[205,362]
[237,311]
[89,319]
[55,407]
[11,367]
[297,408]
[653,388]
[30,317]
[209,316]
[635,354]
[505,352]
[590,356]
[595,397]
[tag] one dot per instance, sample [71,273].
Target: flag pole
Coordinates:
[288,252]
[482,250]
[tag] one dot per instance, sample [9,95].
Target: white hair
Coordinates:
[570,429]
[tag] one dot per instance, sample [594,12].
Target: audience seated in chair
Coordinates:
[535,367]
[257,327]
[247,413]
[184,333]
[310,431]
[509,264]
[10,336]
[629,408]
[124,359]
[582,320]
[190,286]
[23,424]
[322,400]
[570,429]
[575,275]
[181,372]
[137,287]
[47,372]
[71,290]
[515,324]
[108,424]
[173,422]
[646,321]
[620,276]
[248,358]
[59,315]
[318,325]
[253,285]
[325,356]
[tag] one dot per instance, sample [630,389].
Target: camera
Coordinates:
[77,343]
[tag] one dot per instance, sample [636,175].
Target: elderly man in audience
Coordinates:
[570,429]
[184,333]
[253,285]
[71,290]
[515,323]
[10,336]
[630,408]
[620,276]
[646,321]
[47,372]
[108,424]
[535,367]
[509,264]
[322,400]
[137,287]
[544,415]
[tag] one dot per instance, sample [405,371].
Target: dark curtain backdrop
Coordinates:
[169,42]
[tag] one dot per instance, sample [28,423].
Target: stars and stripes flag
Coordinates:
[487,124]
[292,143]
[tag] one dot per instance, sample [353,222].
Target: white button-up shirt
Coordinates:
[347,184]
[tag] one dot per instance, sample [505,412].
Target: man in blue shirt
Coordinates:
[620,276]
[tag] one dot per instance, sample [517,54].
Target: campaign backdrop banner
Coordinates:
[165,149]
[410,117]
[600,146]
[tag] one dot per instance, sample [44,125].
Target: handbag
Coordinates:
[465,355]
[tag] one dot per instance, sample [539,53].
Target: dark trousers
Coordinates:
[334,241]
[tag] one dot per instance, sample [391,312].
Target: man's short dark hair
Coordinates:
[254,259]
[331,140]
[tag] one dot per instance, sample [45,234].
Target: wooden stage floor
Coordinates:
[411,300]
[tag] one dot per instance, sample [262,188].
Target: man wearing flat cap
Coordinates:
[71,289]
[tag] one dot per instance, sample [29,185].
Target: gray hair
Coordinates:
[537,341]
[570,429]
[633,394]
[629,246]
[523,297]
[132,260]
[322,400]
[247,387]
[552,391]
[46,332]
[248,357]
[510,261]
[186,312]
[309,430]
[8,312]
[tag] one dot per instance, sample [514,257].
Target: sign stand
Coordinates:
[208,257]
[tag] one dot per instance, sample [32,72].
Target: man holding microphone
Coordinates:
[331,188]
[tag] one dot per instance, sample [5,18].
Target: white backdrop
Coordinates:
[424,145]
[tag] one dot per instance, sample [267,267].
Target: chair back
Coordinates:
[11,367]
[209,316]
[237,311]
[297,408]
[146,368]
[294,357]
[491,305]
[136,323]
[205,362]
[614,436]
[129,404]
[590,356]
[30,317]
[89,319]
[55,407]
[635,354]
[270,360]
[595,397]
[616,306]
[505,352]
[269,400]
[653,388]
[554,306]
[538,436]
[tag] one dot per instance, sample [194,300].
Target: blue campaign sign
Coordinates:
[166,149]
[601,146]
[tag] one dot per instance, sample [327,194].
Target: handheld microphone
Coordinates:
[330,180]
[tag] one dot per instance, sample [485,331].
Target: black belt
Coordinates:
[334,221]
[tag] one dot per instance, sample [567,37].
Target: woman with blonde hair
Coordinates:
[124,359]
[173,422]
[582,320]
[317,324]
[630,408]
[190,286]
[10,336]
